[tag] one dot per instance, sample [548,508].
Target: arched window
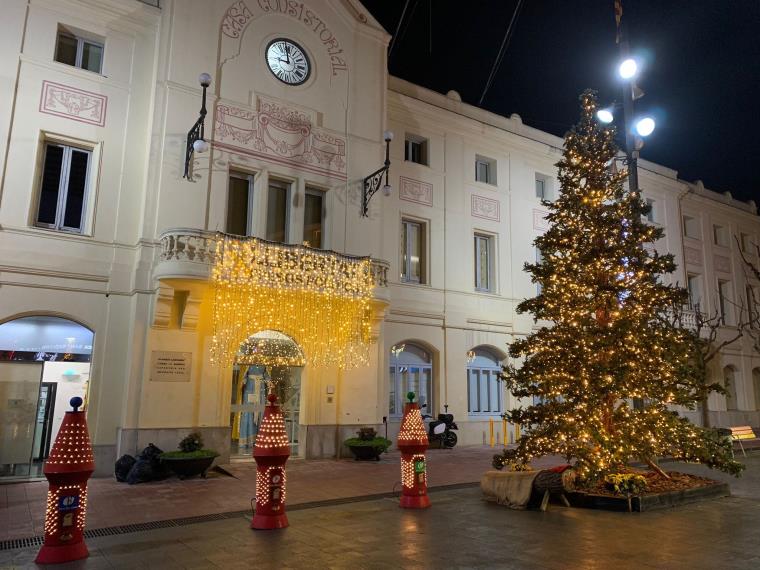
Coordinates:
[411,370]
[729,383]
[756,385]
[484,389]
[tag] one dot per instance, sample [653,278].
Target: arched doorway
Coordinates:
[411,370]
[44,362]
[485,396]
[266,358]
[729,383]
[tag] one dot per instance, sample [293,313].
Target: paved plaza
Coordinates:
[459,531]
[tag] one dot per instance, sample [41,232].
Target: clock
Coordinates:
[288,61]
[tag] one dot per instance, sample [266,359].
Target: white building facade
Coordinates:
[105,248]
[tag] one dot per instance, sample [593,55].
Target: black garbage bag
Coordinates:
[122,467]
[148,466]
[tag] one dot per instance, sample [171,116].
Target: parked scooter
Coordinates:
[440,430]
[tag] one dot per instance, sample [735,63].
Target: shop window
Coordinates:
[240,204]
[72,49]
[64,188]
[484,389]
[413,252]
[278,211]
[411,370]
[313,218]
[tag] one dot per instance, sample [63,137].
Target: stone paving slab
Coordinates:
[460,530]
[22,505]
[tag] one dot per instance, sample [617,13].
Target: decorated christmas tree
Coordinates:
[606,341]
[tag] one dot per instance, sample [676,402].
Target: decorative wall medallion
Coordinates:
[72,103]
[722,264]
[692,255]
[280,134]
[486,208]
[415,191]
[539,220]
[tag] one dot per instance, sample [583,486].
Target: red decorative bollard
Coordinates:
[67,469]
[271,452]
[412,442]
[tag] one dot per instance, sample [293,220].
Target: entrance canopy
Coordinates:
[319,298]
[270,348]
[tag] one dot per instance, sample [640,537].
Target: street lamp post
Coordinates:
[631,152]
[195,136]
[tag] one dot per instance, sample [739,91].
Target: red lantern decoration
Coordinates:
[68,468]
[271,452]
[412,442]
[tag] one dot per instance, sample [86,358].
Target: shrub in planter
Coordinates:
[367,445]
[191,459]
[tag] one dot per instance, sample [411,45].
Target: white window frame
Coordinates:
[490,169]
[249,178]
[409,140]
[545,188]
[490,249]
[80,50]
[406,259]
[652,215]
[724,302]
[687,220]
[696,279]
[396,370]
[720,235]
[63,188]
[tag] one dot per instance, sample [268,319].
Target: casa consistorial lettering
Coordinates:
[311,20]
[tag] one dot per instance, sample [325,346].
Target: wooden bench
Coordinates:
[742,433]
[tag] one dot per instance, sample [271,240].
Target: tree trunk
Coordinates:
[705,413]
[656,468]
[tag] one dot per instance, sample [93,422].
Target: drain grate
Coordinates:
[15,543]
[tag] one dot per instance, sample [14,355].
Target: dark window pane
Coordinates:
[92,57]
[72,217]
[237,206]
[66,49]
[312,219]
[277,211]
[51,179]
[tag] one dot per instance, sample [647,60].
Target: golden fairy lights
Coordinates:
[408,472]
[318,298]
[270,348]
[412,427]
[272,432]
[273,474]
[72,446]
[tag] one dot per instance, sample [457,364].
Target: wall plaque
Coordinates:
[415,191]
[539,220]
[170,366]
[486,208]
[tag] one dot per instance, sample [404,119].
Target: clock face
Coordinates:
[288,61]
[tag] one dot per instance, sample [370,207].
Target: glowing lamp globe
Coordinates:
[200,146]
[645,126]
[387,189]
[628,68]
[605,115]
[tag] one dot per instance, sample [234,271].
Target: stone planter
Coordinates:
[650,502]
[185,467]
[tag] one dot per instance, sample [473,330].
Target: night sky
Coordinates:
[701,75]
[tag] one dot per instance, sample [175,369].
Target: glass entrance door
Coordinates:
[19,404]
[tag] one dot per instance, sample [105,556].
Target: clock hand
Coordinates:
[287,52]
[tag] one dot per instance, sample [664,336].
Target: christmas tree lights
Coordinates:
[609,341]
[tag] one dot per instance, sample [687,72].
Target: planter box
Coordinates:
[185,467]
[650,502]
[365,452]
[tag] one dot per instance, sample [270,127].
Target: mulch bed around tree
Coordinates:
[655,483]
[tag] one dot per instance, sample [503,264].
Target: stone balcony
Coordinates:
[184,264]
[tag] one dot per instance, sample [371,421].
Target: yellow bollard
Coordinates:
[504,431]
[490,429]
